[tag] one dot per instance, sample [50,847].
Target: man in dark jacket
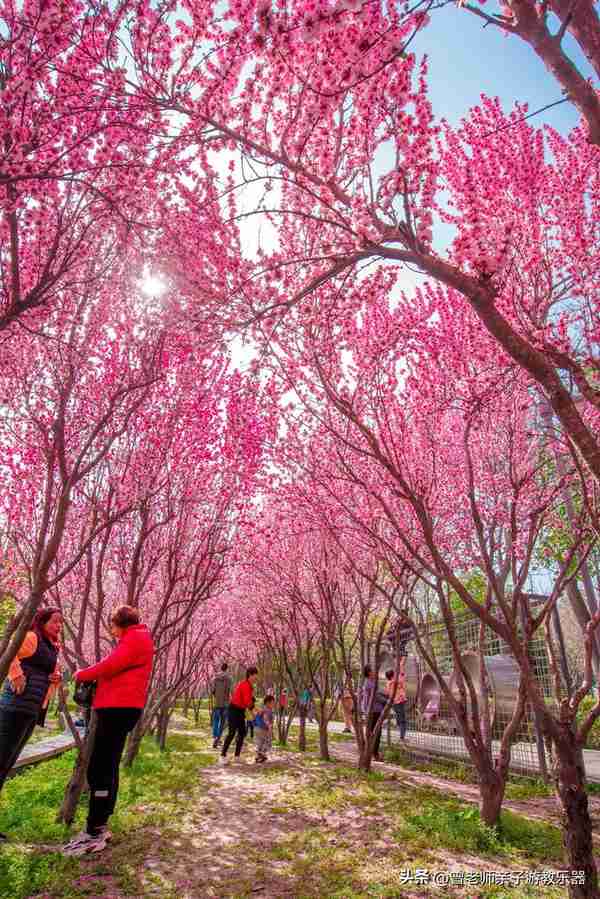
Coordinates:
[373,704]
[221,691]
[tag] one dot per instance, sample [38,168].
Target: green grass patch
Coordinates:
[24,874]
[458,771]
[448,824]
[153,792]
[527,788]
[517,787]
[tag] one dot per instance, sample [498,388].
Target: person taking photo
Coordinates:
[122,678]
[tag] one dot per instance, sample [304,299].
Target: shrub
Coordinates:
[593,740]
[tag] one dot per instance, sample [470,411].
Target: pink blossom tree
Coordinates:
[73,403]
[451,459]
[355,171]
[80,157]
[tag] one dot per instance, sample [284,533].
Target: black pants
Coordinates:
[373,719]
[15,729]
[237,725]
[400,712]
[103,769]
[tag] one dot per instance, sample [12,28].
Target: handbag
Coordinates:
[83,695]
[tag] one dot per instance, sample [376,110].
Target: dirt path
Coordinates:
[299,828]
[540,808]
[228,832]
[249,832]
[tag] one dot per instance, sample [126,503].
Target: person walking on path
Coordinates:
[396,691]
[241,699]
[305,704]
[348,708]
[373,708]
[220,691]
[33,676]
[264,729]
[283,703]
[122,680]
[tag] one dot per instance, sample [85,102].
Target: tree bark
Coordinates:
[281,729]
[134,742]
[569,779]
[491,796]
[323,741]
[163,730]
[365,757]
[302,734]
[77,782]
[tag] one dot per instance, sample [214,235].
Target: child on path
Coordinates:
[264,729]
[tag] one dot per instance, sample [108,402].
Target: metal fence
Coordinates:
[432,730]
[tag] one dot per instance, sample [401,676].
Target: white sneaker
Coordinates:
[223,760]
[85,842]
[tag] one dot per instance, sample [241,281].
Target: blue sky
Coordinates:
[467,60]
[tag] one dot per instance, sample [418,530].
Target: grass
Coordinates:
[422,818]
[450,825]
[312,739]
[338,833]
[418,826]
[413,825]
[517,787]
[152,792]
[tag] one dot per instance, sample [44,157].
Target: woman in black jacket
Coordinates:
[32,678]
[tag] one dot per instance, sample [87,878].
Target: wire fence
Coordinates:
[432,729]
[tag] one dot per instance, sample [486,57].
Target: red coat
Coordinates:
[124,675]
[243,695]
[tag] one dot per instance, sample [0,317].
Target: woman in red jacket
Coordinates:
[122,687]
[241,699]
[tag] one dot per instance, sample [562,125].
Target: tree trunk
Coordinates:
[302,734]
[159,725]
[569,779]
[134,742]
[323,741]
[281,729]
[365,756]
[491,795]
[196,706]
[163,730]
[77,782]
